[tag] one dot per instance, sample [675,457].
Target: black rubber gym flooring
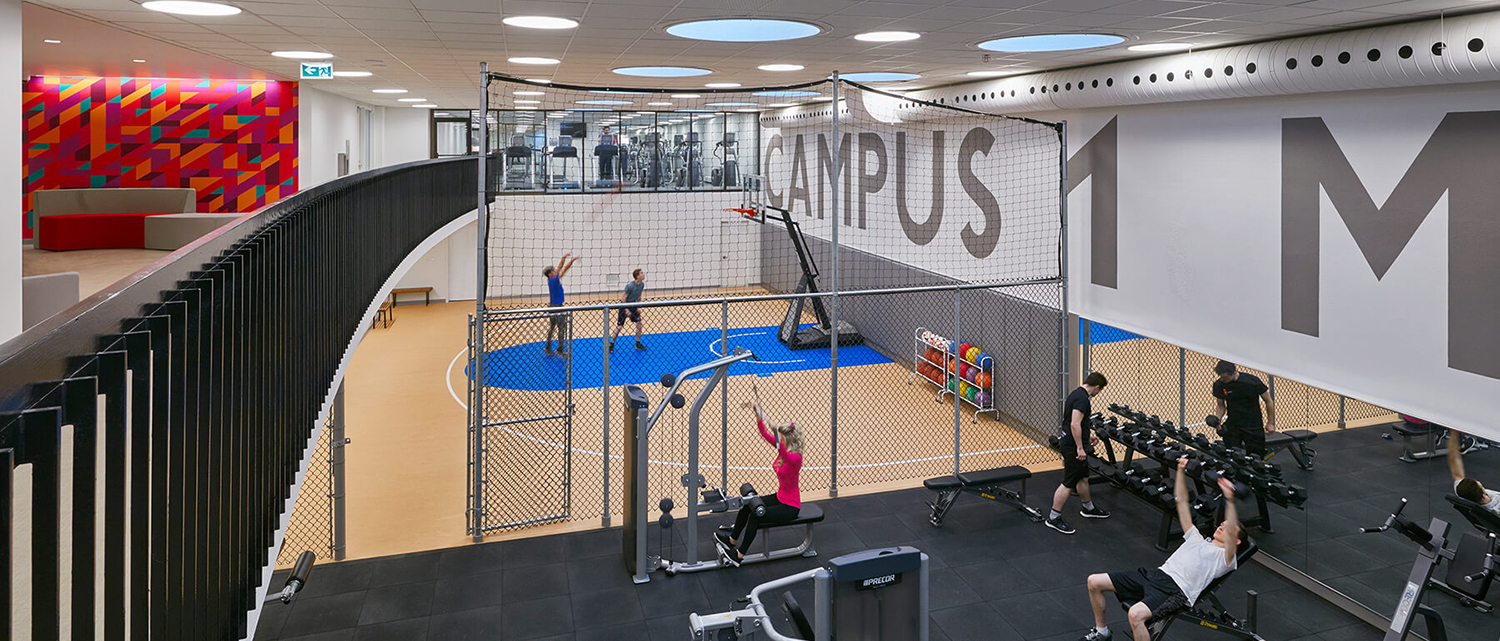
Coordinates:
[996,576]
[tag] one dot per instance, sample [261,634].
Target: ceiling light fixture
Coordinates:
[540,81]
[722,85]
[686,95]
[1159,47]
[605,102]
[887,36]
[730,104]
[388,90]
[302,55]
[744,30]
[878,76]
[53,42]
[137,60]
[659,104]
[352,74]
[781,67]
[557,114]
[528,102]
[662,72]
[533,60]
[540,22]
[785,94]
[426,106]
[529,93]
[189,8]
[411,100]
[1051,42]
[781,104]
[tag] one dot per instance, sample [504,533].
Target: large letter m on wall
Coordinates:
[1462,158]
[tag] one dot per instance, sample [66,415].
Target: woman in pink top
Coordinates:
[785,505]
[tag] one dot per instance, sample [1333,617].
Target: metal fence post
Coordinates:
[1181,387]
[953,349]
[1062,267]
[336,442]
[724,399]
[833,345]
[1342,398]
[604,518]
[476,353]
[1085,336]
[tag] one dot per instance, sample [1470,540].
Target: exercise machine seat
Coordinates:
[997,475]
[1485,520]
[1408,428]
[942,483]
[1276,439]
[810,513]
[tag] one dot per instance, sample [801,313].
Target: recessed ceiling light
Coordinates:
[722,85]
[352,74]
[662,72]
[996,74]
[411,100]
[540,22]
[53,42]
[1052,42]
[878,76]
[528,102]
[532,60]
[744,30]
[781,104]
[137,60]
[686,95]
[540,81]
[1158,47]
[427,106]
[604,102]
[785,94]
[188,8]
[525,107]
[730,104]
[388,90]
[529,93]
[302,55]
[781,67]
[887,36]
[746,111]
[660,104]
[621,93]
[556,114]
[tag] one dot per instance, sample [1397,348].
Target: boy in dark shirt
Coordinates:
[1240,394]
[633,291]
[1071,438]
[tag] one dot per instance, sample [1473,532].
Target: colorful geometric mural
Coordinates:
[234,141]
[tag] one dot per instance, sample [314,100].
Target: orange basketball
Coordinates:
[982,380]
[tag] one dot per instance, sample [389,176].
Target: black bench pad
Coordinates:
[980,478]
[1411,429]
[1280,438]
[810,513]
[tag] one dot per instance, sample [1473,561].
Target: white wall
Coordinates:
[10,168]
[463,262]
[431,270]
[406,136]
[1201,234]
[325,122]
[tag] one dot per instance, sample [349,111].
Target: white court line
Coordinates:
[716,352]
[737,468]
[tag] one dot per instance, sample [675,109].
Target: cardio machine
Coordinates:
[729,174]
[1471,568]
[688,161]
[638,425]
[611,161]
[563,151]
[820,334]
[518,163]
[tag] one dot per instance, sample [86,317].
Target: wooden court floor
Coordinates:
[406,474]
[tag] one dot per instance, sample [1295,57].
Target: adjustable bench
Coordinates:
[988,484]
[809,514]
[1208,611]
[1296,442]
[1484,520]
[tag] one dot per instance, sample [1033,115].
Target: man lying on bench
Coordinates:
[1159,593]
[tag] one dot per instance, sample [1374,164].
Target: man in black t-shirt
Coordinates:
[1072,435]
[1240,394]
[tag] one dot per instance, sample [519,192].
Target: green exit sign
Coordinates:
[317,70]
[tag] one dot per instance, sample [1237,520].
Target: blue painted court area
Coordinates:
[527,367]
[1099,333]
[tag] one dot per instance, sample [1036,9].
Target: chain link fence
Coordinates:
[1174,383]
[311,527]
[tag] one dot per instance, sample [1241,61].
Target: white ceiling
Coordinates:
[433,47]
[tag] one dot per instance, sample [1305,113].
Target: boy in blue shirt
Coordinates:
[633,291]
[559,322]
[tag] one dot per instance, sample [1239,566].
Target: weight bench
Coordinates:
[1484,520]
[1436,437]
[1296,442]
[988,484]
[808,515]
[1208,611]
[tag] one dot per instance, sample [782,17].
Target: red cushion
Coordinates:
[93,231]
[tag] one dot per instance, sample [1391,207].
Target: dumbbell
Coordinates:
[1241,490]
[1135,479]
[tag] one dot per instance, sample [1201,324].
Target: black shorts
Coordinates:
[1151,587]
[632,313]
[1074,470]
[1251,439]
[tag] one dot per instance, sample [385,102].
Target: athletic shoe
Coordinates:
[611,347]
[723,539]
[728,556]
[1095,635]
[640,345]
[1096,513]
[1060,525]
[548,349]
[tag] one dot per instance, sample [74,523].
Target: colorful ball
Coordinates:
[933,355]
[982,399]
[952,384]
[971,394]
[985,361]
[963,348]
[973,355]
[982,379]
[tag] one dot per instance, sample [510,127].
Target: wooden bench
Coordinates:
[426,293]
[384,315]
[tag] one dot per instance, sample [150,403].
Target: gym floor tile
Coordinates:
[528,552]
[335,578]
[406,630]
[975,622]
[672,628]
[407,568]
[590,575]
[995,580]
[334,635]
[470,559]
[608,608]
[322,614]
[534,582]
[272,617]
[540,618]
[482,624]
[1316,615]
[948,591]
[683,594]
[467,592]
[588,545]
[1038,614]
[396,602]
[880,531]
[630,632]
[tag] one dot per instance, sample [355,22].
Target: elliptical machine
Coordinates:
[1472,565]
[652,161]
[689,170]
[729,174]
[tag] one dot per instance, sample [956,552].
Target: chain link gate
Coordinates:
[524,444]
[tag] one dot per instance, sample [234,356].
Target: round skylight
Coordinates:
[781,67]
[878,76]
[662,72]
[722,85]
[532,60]
[302,55]
[188,8]
[352,74]
[1052,42]
[604,102]
[540,22]
[1159,47]
[887,36]
[785,94]
[744,30]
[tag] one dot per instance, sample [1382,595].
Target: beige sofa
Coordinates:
[172,231]
[125,200]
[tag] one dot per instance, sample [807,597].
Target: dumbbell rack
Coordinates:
[1144,483]
[948,367]
[1164,442]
